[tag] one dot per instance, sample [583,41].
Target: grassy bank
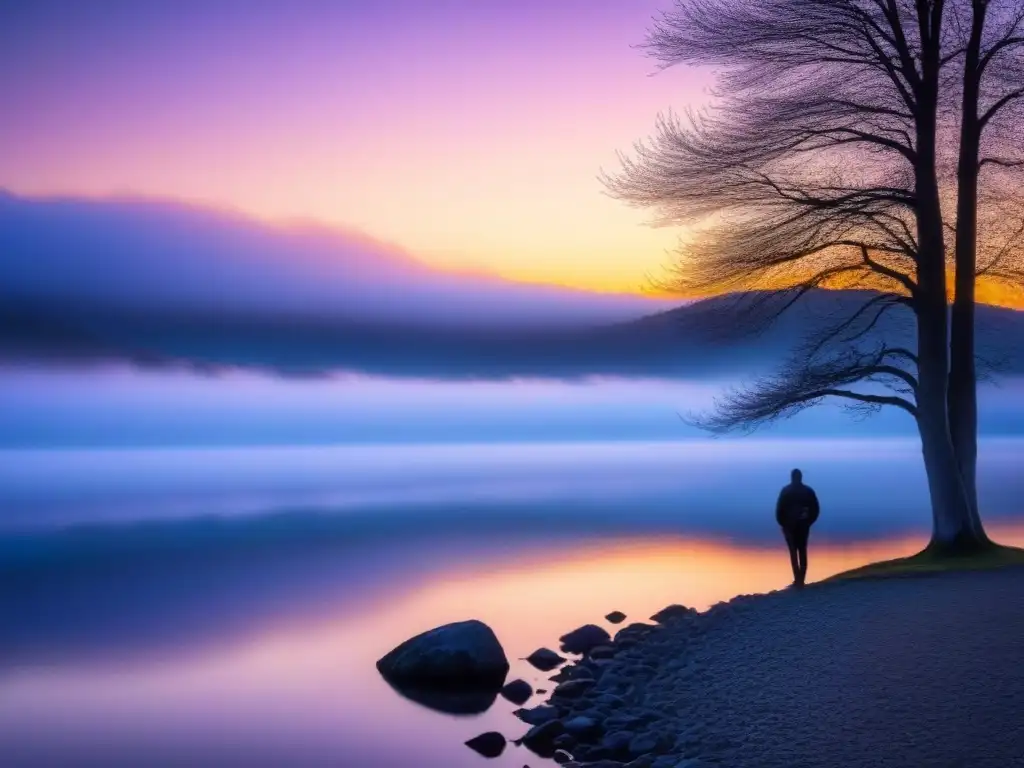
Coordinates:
[929,561]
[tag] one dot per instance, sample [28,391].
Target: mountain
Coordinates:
[156,284]
[675,344]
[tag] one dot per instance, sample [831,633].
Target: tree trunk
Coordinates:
[952,522]
[953,527]
[963,385]
[952,531]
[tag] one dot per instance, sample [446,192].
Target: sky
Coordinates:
[468,132]
[294,185]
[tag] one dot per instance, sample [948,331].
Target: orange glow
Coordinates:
[313,675]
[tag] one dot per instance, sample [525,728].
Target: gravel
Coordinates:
[925,671]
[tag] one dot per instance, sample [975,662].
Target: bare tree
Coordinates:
[820,165]
[988,45]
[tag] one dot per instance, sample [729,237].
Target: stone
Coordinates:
[611,700]
[537,715]
[635,631]
[572,672]
[583,639]
[617,742]
[602,652]
[540,739]
[561,757]
[545,659]
[466,654]
[583,727]
[572,689]
[518,691]
[616,617]
[566,741]
[672,613]
[490,744]
[644,743]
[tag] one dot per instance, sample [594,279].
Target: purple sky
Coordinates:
[467,131]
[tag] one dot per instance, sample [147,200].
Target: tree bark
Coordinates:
[952,524]
[952,531]
[963,394]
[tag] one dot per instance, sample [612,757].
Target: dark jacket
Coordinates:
[797,506]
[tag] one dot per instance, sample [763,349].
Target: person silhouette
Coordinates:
[796,511]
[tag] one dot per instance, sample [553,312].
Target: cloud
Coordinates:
[162,256]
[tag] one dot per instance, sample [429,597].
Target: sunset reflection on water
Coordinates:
[304,691]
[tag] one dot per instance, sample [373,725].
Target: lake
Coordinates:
[225,606]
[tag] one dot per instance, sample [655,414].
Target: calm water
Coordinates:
[225,607]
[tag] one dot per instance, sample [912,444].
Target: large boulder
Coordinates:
[584,638]
[464,655]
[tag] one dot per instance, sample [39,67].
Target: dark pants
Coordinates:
[796,540]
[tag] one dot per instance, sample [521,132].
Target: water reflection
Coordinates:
[471,702]
[287,676]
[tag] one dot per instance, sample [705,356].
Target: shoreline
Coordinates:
[794,677]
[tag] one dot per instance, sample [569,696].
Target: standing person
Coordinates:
[796,511]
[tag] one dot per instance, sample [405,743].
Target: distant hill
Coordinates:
[160,283]
[692,341]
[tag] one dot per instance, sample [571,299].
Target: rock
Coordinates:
[635,630]
[538,715]
[518,691]
[572,672]
[583,727]
[671,613]
[540,739]
[582,639]
[490,744]
[632,720]
[561,756]
[616,617]
[541,690]
[602,652]
[462,655]
[566,741]
[644,744]
[611,700]
[545,659]
[572,689]
[617,742]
